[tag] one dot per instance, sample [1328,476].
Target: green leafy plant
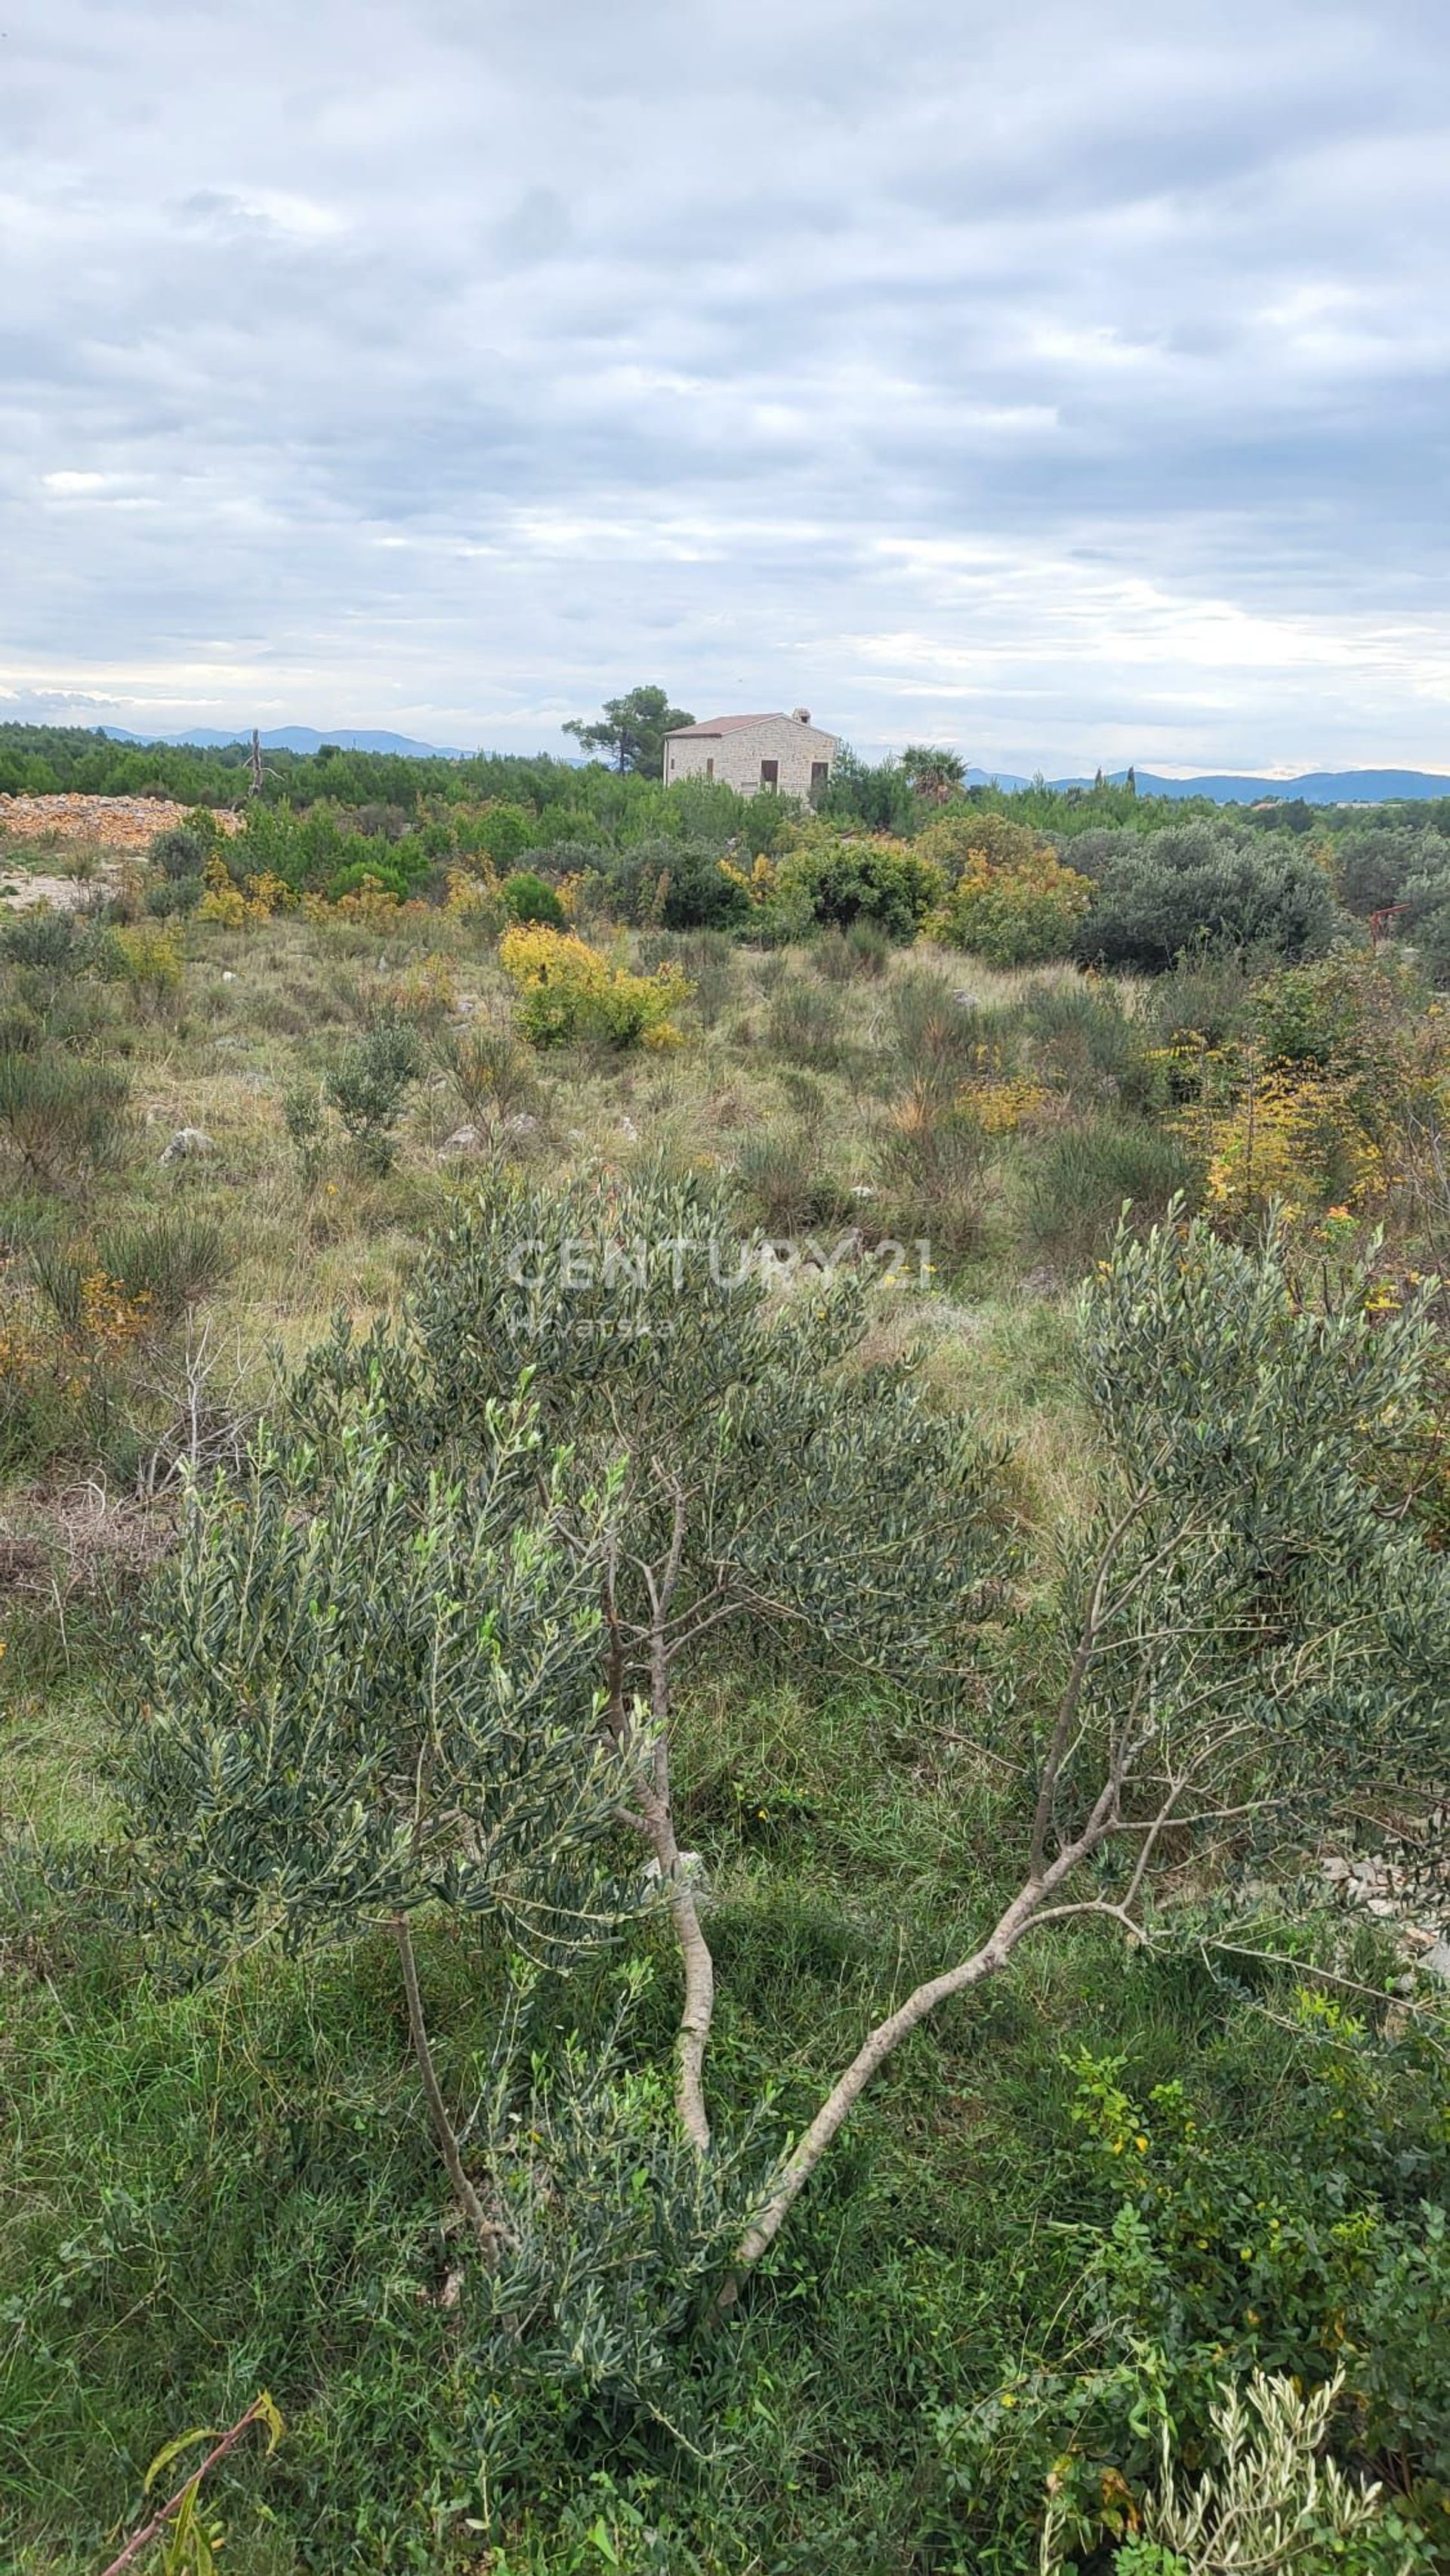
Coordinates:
[61,1114]
[1273,2503]
[657,1356]
[526,898]
[1200,885]
[361,1697]
[368,1085]
[188,2542]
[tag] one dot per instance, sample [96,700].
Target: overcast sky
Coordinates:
[1064,381]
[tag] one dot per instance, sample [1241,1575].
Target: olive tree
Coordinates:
[457,1670]
[759,1473]
[1253,1647]
[363,1693]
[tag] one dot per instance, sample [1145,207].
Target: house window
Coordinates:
[770,773]
[710,768]
[820,772]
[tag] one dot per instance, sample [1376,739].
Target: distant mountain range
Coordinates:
[1316,787]
[292,738]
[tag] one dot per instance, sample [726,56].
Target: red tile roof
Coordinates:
[725,724]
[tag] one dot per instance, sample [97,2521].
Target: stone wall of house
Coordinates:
[737,756]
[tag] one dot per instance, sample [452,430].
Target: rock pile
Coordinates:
[128,823]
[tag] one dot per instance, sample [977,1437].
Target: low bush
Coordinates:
[1021,914]
[53,944]
[782,1175]
[1078,1178]
[939,1037]
[61,1114]
[849,956]
[1206,999]
[836,882]
[932,1158]
[707,958]
[1198,885]
[167,1262]
[526,898]
[569,992]
[171,898]
[148,960]
[955,841]
[1078,1039]
[806,1023]
[1283,1135]
[676,885]
[182,851]
[493,1075]
[367,1087]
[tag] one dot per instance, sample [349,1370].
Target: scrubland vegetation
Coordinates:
[674,1708]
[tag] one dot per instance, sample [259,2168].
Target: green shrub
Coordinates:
[806,1023]
[171,896]
[525,897]
[782,1176]
[53,944]
[502,833]
[168,1261]
[1384,863]
[493,1075]
[304,1115]
[940,1038]
[676,885]
[61,1114]
[1077,1179]
[368,1084]
[1079,1039]
[1206,998]
[1024,914]
[706,957]
[840,882]
[1201,885]
[847,956]
[181,851]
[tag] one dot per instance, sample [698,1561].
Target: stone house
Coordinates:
[787,753]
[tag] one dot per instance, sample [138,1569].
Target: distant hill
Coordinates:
[1317,787]
[302,738]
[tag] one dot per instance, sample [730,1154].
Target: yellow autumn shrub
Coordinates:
[1023,912]
[568,991]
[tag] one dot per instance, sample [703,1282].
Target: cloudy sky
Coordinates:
[1065,382]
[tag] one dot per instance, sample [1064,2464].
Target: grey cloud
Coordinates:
[538,227]
[637,331]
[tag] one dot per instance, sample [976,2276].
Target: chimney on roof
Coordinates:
[802,715]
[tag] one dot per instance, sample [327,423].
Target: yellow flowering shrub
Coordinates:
[759,880]
[1000,1108]
[1022,913]
[955,839]
[473,895]
[65,1352]
[569,991]
[1291,1135]
[149,959]
[223,900]
[256,899]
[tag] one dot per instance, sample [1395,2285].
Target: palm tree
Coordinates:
[933,771]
